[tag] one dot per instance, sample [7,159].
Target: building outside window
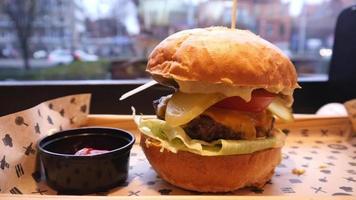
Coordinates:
[111,39]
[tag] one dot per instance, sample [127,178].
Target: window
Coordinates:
[281,29]
[110,39]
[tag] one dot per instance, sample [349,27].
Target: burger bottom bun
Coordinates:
[212,173]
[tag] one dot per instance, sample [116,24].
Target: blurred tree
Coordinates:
[22,13]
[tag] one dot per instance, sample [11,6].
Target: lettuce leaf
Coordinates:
[175,139]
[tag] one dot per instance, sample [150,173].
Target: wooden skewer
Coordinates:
[138,89]
[234,14]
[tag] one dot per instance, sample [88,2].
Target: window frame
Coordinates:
[19,95]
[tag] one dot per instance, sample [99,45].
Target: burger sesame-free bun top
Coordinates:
[219,59]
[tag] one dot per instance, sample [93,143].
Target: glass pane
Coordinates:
[111,39]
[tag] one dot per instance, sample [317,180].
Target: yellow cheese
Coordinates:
[240,122]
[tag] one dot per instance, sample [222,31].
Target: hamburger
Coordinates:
[216,132]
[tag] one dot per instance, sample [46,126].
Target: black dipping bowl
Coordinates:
[71,174]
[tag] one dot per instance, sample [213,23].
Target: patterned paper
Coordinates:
[20,132]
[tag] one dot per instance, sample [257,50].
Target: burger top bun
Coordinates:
[202,59]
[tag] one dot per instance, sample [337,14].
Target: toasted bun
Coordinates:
[221,56]
[212,173]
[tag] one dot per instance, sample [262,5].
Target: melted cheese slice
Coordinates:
[245,123]
[237,121]
[232,90]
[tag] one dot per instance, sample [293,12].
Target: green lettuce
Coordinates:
[175,139]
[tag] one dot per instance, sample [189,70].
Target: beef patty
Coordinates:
[205,128]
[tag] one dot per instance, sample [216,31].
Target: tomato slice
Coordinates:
[259,102]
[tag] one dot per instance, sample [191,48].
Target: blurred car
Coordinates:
[60,56]
[40,54]
[9,52]
[84,56]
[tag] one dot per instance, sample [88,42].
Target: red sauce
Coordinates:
[89,152]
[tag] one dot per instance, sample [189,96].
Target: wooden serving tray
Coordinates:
[301,121]
[321,146]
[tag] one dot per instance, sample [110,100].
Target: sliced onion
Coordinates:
[279,108]
[183,107]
